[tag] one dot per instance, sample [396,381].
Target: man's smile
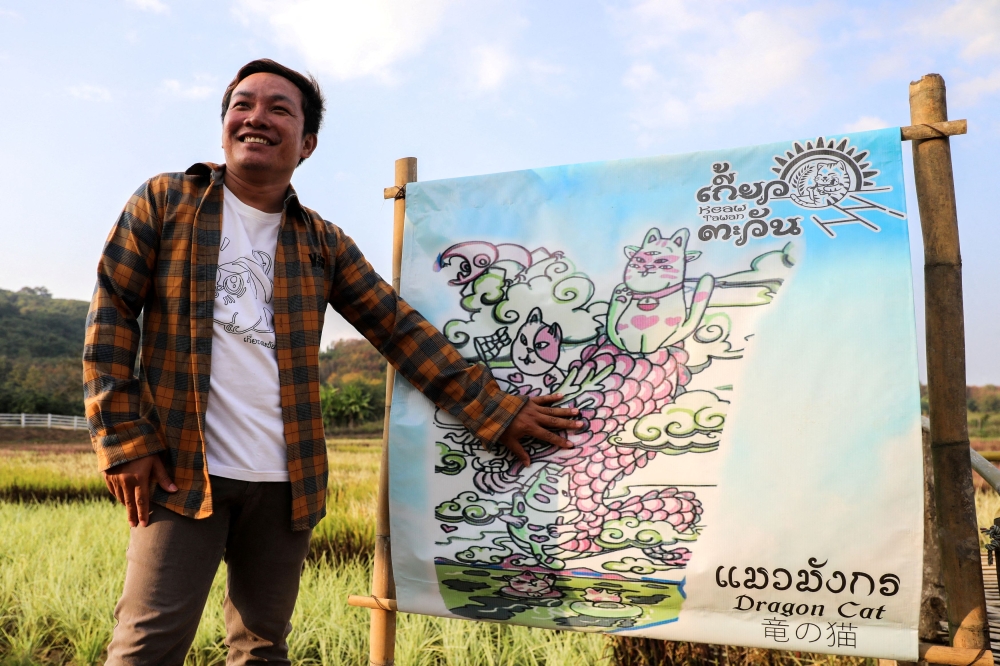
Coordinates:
[253,138]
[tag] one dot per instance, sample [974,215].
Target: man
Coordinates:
[221,431]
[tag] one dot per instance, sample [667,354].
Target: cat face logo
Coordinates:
[831,174]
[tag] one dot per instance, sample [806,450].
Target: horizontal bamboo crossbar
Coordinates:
[930,130]
[373,602]
[394,192]
[953,656]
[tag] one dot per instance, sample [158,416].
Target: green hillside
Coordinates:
[35,325]
[41,342]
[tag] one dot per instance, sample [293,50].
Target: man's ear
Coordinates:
[308,146]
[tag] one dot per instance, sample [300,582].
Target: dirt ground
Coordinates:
[44,440]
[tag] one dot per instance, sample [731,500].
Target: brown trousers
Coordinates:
[171,564]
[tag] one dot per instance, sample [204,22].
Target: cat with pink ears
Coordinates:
[649,309]
[534,352]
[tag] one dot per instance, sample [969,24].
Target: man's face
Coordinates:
[262,129]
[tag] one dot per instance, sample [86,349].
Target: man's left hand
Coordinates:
[536,419]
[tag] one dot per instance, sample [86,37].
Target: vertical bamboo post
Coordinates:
[954,494]
[382,634]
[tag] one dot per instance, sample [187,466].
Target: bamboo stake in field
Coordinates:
[382,635]
[958,534]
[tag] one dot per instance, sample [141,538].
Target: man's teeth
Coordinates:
[256,139]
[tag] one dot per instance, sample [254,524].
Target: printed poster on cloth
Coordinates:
[737,329]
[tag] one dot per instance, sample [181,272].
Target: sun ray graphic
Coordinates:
[831,174]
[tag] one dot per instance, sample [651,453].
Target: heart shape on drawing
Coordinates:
[642,322]
[515,378]
[672,321]
[449,528]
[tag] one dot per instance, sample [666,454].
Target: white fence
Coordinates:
[43,421]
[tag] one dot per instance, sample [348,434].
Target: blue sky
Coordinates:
[99,96]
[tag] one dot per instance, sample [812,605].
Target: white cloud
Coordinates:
[865,123]
[90,93]
[974,24]
[969,29]
[491,67]
[969,92]
[154,6]
[707,60]
[349,40]
[195,91]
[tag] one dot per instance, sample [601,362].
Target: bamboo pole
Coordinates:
[382,634]
[954,495]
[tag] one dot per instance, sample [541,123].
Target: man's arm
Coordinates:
[435,368]
[122,438]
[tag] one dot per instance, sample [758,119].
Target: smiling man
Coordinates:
[216,448]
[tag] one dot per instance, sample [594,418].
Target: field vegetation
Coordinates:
[62,562]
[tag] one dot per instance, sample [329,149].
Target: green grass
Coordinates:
[347,532]
[28,475]
[62,564]
[59,585]
[987,508]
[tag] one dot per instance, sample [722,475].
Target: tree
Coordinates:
[349,404]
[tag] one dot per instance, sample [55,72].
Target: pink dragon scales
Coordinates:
[634,388]
[563,510]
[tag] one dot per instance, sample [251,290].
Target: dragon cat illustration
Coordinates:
[630,364]
[649,309]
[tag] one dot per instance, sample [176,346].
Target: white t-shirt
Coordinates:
[244,435]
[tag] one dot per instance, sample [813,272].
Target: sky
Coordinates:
[99,96]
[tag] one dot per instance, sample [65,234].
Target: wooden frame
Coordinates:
[957,527]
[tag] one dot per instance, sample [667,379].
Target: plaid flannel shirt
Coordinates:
[161,259]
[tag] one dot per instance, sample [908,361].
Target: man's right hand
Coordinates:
[130,484]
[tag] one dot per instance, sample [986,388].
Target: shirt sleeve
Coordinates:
[416,348]
[118,430]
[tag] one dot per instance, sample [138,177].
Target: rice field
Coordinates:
[62,562]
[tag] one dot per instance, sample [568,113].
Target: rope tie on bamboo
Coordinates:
[378,603]
[401,192]
[938,134]
[994,545]
[979,656]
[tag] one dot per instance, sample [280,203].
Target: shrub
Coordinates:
[352,403]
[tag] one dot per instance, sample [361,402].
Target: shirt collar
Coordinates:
[218,172]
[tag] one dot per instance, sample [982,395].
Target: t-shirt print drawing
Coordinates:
[246,289]
[244,431]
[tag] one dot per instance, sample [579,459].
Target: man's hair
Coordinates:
[313,103]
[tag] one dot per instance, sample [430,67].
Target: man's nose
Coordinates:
[256,119]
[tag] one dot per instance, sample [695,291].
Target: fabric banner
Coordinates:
[737,330]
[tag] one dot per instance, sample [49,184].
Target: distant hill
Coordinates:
[35,325]
[350,360]
[41,344]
